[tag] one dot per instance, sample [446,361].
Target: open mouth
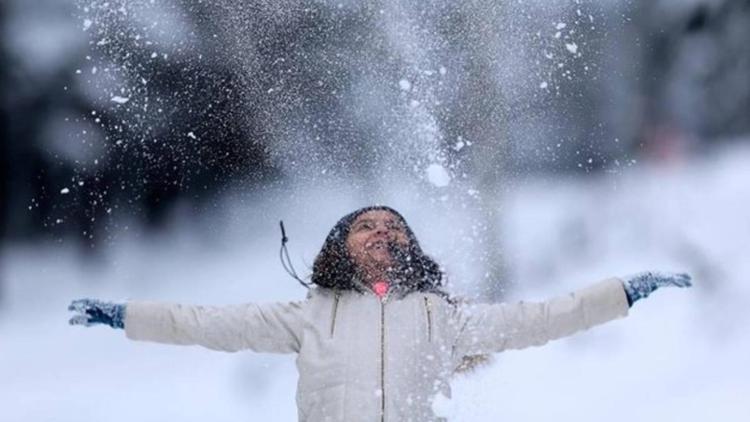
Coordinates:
[378,245]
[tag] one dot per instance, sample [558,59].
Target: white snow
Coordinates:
[119,100]
[404,85]
[680,354]
[438,175]
[572,47]
[64,191]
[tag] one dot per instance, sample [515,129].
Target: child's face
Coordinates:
[369,238]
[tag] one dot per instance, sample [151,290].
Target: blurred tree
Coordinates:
[4,135]
[76,160]
[4,145]
[694,68]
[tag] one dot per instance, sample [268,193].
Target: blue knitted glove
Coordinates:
[91,312]
[640,285]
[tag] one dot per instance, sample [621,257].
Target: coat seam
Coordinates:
[333,312]
[428,311]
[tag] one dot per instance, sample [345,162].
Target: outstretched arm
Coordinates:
[273,327]
[488,328]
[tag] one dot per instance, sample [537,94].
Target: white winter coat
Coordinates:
[363,359]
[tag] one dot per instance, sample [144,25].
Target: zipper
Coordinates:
[382,361]
[428,311]
[333,312]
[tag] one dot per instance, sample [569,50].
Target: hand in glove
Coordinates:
[640,285]
[91,311]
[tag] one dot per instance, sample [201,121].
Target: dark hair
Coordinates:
[333,267]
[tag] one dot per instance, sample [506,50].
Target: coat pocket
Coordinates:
[322,404]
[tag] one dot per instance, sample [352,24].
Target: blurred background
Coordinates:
[149,149]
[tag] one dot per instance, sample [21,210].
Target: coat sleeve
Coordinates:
[489,328]
[274,327]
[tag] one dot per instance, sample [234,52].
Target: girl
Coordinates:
[377,338]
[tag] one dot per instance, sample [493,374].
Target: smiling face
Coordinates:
[372,244]
[369,240]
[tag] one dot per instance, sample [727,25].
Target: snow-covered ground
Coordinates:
[680,355]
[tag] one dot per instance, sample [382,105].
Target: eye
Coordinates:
[365,225]
[393,225]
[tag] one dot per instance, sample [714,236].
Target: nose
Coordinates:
[382,228]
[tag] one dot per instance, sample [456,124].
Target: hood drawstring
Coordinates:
[286,262]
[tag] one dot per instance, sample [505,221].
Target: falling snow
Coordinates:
[438,175]
[119,100]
